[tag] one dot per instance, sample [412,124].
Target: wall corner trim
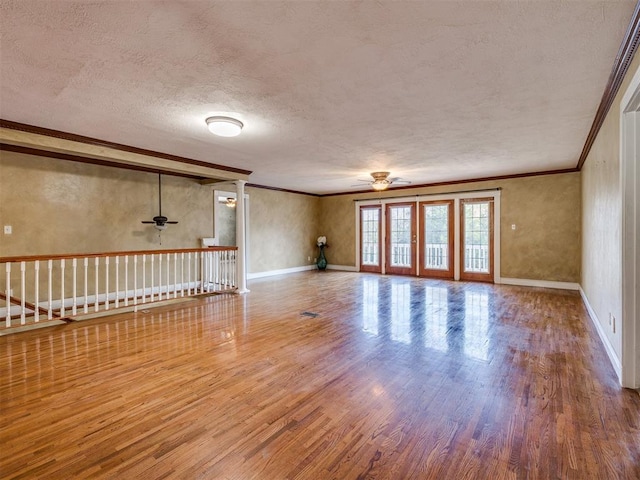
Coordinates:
[611,353]
[525,282]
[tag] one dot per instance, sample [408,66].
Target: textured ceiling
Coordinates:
[329,91]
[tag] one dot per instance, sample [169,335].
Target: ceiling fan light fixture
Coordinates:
[231,202]
[380,181]
[224,126]
[380,185]
[160,226]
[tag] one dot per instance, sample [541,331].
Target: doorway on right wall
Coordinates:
[630,188]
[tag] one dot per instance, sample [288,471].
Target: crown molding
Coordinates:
[458,182]
[621,65]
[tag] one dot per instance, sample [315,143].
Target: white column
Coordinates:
[241,240]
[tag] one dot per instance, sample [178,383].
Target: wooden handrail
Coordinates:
[33,258]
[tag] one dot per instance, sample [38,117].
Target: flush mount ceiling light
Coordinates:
[230,202]
[224,126]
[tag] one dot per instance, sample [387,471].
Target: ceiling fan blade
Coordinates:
[148,221]
[401,182]
[172,223]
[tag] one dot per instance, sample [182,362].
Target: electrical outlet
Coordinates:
[308,259]
[315,260]
[513,226]
[8,230]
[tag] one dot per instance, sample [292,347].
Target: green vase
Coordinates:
[322,261]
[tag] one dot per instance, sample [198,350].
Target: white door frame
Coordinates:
[630,258]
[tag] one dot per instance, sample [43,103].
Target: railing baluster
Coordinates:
[182,274]
[7,292]
[36,289]
[168,268]
[23,293]
[144,278]
[50,289]
[231,261]
[188,274]
[159,276]
[117,281]
[126,280]
[232,269]
[62,288]
[106,283]
[86,285]
[224,267]
[175,275]
[152,278]
[202,277]
[214,270]
[135,279]
[196,272]
[74,265]
[96,305]
[205,271]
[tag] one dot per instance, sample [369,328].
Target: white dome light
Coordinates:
[224,126]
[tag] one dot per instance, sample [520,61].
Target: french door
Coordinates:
[436,239]
[451,238]
[401,238]
[476,239]
[371,239]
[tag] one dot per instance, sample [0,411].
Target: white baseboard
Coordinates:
[281,271]
[525,282]
[344,268]
[284,271]
[611,353]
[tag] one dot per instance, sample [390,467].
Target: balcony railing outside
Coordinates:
[436,256]
[44,288]
[476,258]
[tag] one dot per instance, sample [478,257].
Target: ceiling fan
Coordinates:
[381,181]
[159,221]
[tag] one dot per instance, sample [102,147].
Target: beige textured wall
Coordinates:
[283,228]
[57,206]
[602,220]
[546,210]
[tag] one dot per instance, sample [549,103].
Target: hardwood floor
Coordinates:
[323,375]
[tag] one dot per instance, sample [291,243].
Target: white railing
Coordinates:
[38,288]
[436,256]
[476,258]
[401,254]
[370,254]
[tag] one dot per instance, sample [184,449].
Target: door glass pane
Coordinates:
[370,236]
[400,233]
[436,237]
[476,237]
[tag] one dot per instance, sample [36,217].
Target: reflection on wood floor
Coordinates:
[393,378]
